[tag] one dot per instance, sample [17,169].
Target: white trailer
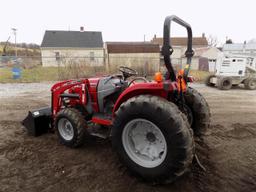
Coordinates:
[232,70]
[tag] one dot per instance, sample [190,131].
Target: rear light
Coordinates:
[158,77]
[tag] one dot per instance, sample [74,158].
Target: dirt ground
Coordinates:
[228,151]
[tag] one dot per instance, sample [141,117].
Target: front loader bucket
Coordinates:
[38,121]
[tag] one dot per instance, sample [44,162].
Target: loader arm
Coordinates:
[59,88]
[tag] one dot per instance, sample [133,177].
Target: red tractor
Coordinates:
[151,123]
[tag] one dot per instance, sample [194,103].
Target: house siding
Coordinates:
[144,63]
[194,63]
[72,55]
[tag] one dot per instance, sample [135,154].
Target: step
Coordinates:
[102,119]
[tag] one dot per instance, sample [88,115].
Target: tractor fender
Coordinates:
[153,88]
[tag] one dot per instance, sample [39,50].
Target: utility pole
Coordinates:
[15,33]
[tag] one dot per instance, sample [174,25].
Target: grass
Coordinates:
[39,74]
[199,76]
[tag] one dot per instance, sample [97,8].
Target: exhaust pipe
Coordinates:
[38,121]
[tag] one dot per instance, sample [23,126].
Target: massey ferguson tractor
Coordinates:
[151,124]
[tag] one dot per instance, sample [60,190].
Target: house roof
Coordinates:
[76,39]
[203,50]
[132,47]
[239,46]
[182,41]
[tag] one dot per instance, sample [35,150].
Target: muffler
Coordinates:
[38,121]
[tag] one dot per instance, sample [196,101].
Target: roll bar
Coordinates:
[167,48]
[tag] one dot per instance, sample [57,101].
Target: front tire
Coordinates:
[152,138]
[71,127]
[208,81]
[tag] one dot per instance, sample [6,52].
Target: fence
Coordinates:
[60,68]
[23,62]
[33,69]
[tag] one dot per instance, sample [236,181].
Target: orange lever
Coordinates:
[181,81]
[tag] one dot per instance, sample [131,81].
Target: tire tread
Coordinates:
[80,126]
[163,109]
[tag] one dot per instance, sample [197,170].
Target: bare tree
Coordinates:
[229,41]
[212,41]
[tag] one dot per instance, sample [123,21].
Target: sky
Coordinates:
[128,20]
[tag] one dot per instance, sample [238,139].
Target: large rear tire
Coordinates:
[152,138]
[71,127]
[200,111]
[250,83]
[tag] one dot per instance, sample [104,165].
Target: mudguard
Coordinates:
[158,89]
[38,121]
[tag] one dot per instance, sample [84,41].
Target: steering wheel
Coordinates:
[143,79]
[127,72]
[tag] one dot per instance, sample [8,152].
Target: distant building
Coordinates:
[60,48]
[142,56]
[240,48]
[205,59]
[197,42]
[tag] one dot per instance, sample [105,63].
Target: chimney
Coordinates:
[154,39]
[244,47]
[203,35]
[81,29]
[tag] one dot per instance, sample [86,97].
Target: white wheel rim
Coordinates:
[66,129]
[144,143]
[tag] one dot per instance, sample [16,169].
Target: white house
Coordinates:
[205,58]
[61,48]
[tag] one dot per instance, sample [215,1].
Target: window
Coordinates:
[91,56]
[57,56]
